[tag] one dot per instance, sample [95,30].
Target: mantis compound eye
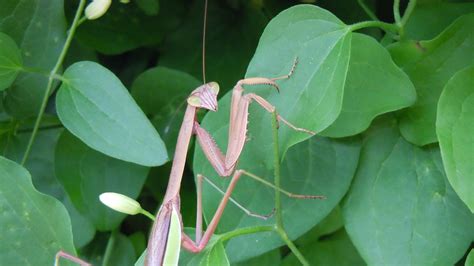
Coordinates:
[214,86]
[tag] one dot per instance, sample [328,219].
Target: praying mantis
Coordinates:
[205,97]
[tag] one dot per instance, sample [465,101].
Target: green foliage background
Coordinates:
[388,87]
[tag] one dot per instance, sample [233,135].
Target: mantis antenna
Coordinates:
[204,44]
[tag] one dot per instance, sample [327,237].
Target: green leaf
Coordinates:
[213,254]
[316,88]
[470,259]
[40,162]
[329,225]
[398,191]
[162,92]
[34,226]
[150,7]
[454,126]
[122,252]
[82,228]
[387,89]
[39,28]
[433,64]
[430,19]
[10,61]
[337,249]
[270,258]
[85,174]
[319,166]
[94,105]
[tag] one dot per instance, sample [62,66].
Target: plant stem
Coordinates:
[52,76]
[109,248]
[246,231]
[379,24]
[367,10]
[148,214]
[279,228]
[396,12]
[410,7]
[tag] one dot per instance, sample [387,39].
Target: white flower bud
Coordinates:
[120,203]
[97,8]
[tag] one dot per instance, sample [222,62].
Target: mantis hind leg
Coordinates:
[200,243]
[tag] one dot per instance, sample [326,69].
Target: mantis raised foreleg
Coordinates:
[205,97]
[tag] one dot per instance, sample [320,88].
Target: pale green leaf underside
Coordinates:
[398,191]
[94,105]
[173,244]
[10,61]
[455,128]
[86,173]
[34,226]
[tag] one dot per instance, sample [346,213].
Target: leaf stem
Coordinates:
[410,7]
[279,227]
[52,77]
[396,12]
[246,231]
[109,248]
[148,214]
[367,10]
[379,24]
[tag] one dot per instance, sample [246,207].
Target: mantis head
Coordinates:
[205,96]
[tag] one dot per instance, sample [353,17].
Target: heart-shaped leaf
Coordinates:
[430,64]
[10,61]
[311,98]
[85,174]
[387,89]
[34,226]
[455,127]
[398,191]
[94,105]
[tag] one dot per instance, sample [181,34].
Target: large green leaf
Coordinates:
[34,226]
[94,105]
[387,89]
[39,28]
[319,166]
[85,174]
[337,249]
[455,127]
[398,192]
[311,98]
[430,66]
[10,61]
[40,164]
